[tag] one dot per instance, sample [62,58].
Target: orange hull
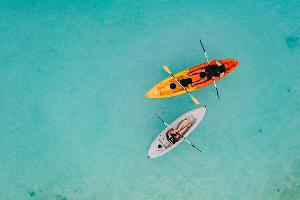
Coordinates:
[163,89]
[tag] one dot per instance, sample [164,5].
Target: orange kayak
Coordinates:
[170,87]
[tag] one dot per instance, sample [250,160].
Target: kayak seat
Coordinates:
[172,86]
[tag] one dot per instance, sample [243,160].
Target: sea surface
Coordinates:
[74,123]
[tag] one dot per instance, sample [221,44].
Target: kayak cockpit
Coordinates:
[193,78]
[175,135]
[179,129]
[172,136]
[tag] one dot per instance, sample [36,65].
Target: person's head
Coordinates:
[222,69]
[202,74]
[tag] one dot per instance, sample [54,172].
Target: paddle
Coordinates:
[216,89]
[169,72]
[208,64]
[178,133]
[204,52]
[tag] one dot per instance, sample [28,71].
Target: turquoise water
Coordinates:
[74,123]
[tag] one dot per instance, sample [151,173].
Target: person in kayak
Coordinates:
[184,82]
[222,69]
[174,138]
[211,71]
[216,70]
[183,126]
[174,135]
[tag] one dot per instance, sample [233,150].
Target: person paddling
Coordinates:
[185,82]
[214,71]
[211,71]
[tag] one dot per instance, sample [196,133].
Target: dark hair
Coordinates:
[202,74]
[222,69]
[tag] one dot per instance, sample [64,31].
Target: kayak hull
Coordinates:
[163,89]
[161,145]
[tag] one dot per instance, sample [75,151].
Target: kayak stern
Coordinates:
[153,93]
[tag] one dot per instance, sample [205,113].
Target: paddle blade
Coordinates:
[218,93]
[202,46]
[205,54]
[195,100]
[217,89]
[167,69]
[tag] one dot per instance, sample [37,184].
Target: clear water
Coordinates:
[74,123]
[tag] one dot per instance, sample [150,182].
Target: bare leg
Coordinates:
[200,81]
[197,71]
[185,124]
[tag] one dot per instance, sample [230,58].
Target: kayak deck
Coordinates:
[181,127]
[170,87]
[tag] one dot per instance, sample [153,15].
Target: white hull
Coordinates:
[161,145]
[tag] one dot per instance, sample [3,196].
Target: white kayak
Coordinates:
[175,133]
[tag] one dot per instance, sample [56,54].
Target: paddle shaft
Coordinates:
[162,120]
[208,64]
[169,72]
[178,133]
[204,52]
[181,85]
[216,89]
